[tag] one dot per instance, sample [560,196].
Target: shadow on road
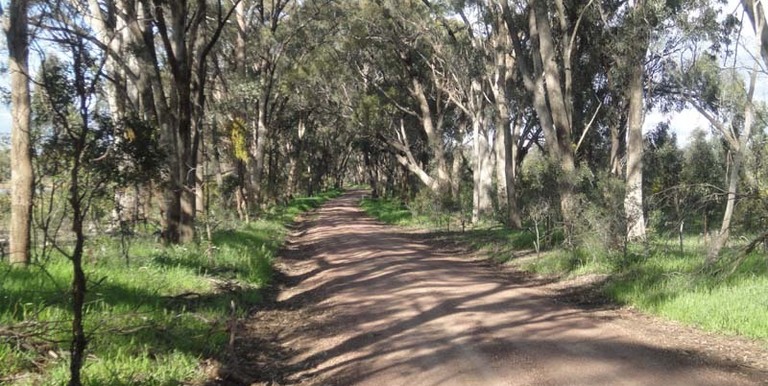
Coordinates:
[363,303]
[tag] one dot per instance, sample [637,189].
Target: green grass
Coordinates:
[682,288]
[389,211]
[152,322]
[655,278]
[676,286]
[393,211]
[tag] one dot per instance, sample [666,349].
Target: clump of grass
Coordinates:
[150,321]
[683,288]
[676,286]
[390,211]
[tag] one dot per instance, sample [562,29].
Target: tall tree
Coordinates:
[635,59]
[186,46]
[21,152]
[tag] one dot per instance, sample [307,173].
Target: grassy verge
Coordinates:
[389,211]
[395,212]
[657,278]
[153,320]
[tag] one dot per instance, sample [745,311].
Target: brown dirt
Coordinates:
[361,303]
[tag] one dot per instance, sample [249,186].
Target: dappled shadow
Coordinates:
[376,305]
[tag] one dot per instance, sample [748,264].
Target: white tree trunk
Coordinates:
[483,171]
[633,197]
[501,177]
[22,178]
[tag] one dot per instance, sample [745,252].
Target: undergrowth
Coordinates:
[151,320]
[657,277]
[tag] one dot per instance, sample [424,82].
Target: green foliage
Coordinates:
[704,177]
[600,223]
[151,322]
[662,166]
[752,210]
[5,165]
[388,211]
[538,185]
[238,136]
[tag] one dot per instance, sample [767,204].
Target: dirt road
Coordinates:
[369,304]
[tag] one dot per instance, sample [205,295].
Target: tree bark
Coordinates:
[22,178]
[633,197]
[112,38]
[259,153]
[434,137]
[499,154]
[506,141]
[482,173]
[543,82]
[79,341]
[558,108]
[615,150]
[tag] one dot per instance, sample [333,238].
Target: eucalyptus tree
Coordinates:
[144,41]
[642,24]
[727,102]
[22,179]
[395,62]
[261,87]
[544,64]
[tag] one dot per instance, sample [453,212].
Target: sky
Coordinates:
[683,123]
[5,116]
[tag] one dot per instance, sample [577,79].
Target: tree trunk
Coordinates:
[296,157]
[77,349]
[22,178]
[558,108]
[548,99]
[615,149]
[259,154]
[485,204]
[372,180]
[509,143]
[633,198]
[501,179]
[506,142]
[733,179]
[434,137]
[110,35]
[756,11]
[200,179]
[482,173]
[456,167]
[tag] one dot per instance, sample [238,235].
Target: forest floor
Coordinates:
[359,302]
